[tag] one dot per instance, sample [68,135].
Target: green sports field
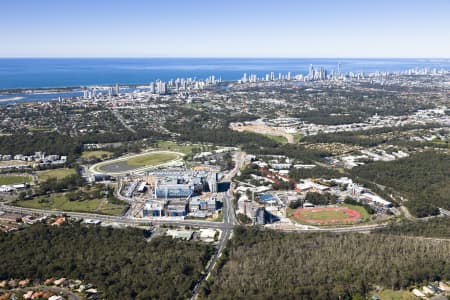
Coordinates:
[327,215]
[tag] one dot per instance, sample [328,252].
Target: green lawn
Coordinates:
[395,295]
[100,154]
[60,202]
[277,138]
[13,179]
[111,209]
[58,173]
[151,159]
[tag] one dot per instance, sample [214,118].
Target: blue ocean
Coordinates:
[75,72]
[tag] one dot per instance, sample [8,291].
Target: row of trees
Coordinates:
[118,261]
[265,264]
[320,199]
[351,201]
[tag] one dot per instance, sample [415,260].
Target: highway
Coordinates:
[115,219]
[229,220]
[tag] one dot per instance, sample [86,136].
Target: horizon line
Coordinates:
[219,57]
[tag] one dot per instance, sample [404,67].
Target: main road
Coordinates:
[115,219]
[229,220]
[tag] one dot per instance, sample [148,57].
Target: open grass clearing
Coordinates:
[58,173]
[60,202]
[172,146]
[277,138]
[395,295]
[14,179]
[99,154]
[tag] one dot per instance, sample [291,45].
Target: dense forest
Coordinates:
[422,178]
[118,261]
[435,227]
[265,264]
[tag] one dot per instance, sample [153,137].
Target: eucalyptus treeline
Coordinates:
[435,227]
[423,178]
[120,262]
[265,264]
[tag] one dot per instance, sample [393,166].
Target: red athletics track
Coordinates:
[352,215]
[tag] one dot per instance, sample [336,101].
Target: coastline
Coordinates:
[11,99]
[63,74]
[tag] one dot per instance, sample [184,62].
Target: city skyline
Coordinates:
[406,29]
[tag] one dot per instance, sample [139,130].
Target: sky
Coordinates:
[225,28]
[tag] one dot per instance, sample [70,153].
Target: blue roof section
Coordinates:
[266,198]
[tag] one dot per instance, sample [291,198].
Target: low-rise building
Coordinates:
[180,234]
